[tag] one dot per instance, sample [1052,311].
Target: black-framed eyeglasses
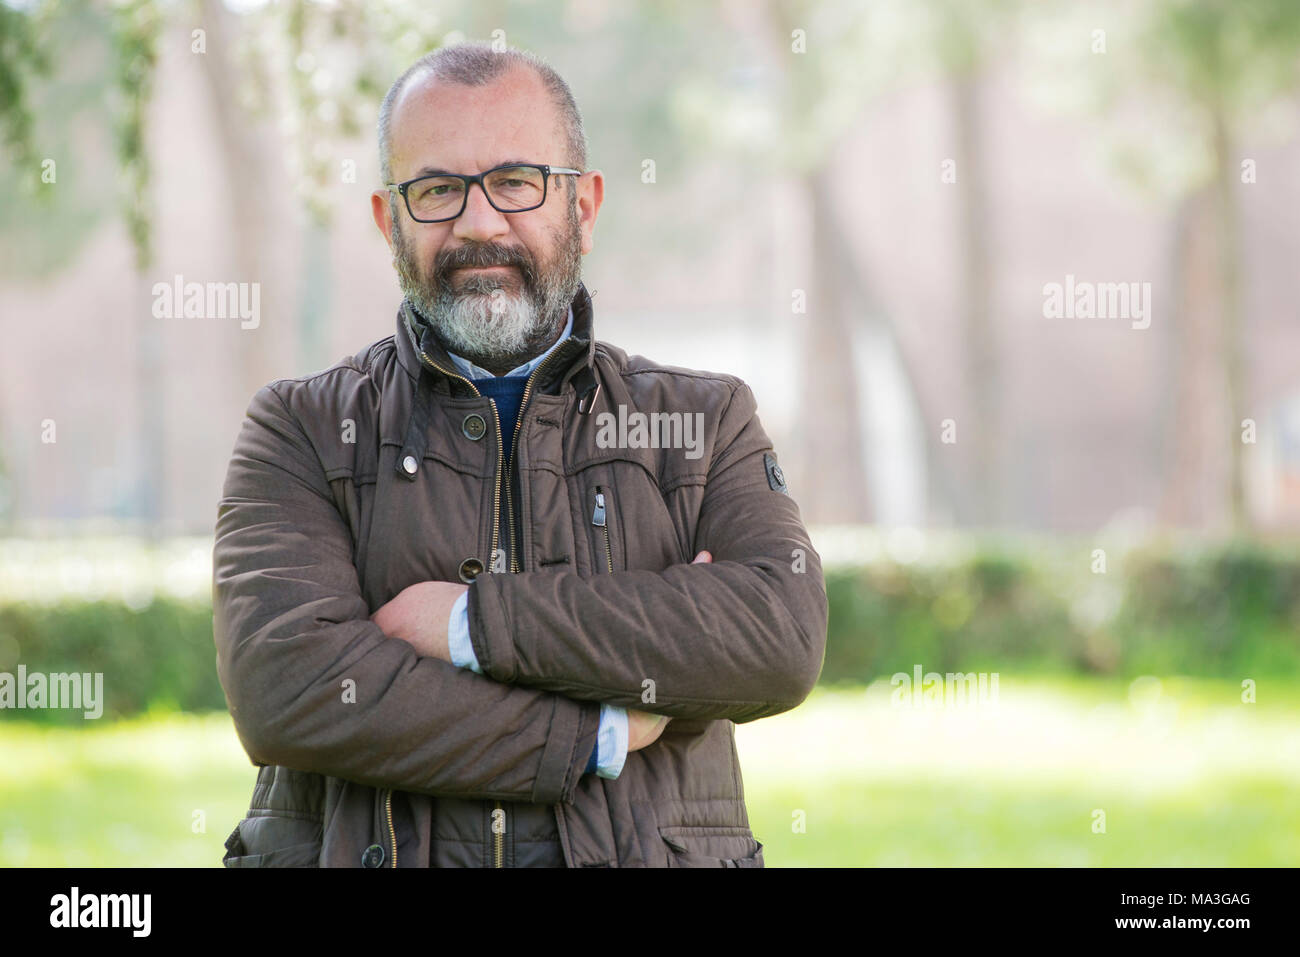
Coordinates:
[510,189]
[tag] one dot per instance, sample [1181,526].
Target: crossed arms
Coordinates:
[314,683]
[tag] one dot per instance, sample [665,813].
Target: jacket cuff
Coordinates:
[572,737]
[490,632]
[458,643]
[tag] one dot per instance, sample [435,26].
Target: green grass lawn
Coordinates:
[1185,774]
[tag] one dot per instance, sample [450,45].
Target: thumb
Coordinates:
[702,557]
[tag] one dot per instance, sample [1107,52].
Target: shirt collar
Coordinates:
[473,371]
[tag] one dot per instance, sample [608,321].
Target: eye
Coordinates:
[434,188]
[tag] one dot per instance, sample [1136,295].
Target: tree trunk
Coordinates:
[1193,479]
[151,424]
[829,421]
[980,430]
[1227,213]
[257,183]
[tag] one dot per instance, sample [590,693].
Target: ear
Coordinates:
[383,214]
[591,193]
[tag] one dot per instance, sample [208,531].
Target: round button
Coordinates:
[474,427]
[372,856]
[409,464]
[470,569]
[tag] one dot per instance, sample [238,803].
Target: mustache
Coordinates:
[483,255]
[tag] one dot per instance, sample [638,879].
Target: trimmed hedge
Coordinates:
[1232,612]
[160,656]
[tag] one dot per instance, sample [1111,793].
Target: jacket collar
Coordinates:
[418,347]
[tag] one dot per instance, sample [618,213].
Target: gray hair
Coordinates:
[477,64]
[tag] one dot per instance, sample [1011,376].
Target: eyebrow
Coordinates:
[439,171]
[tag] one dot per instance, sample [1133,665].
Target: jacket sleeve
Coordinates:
[740,638]
[313,684]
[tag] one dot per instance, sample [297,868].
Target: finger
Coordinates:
[702,558]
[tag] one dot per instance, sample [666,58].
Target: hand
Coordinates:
[419,615]
[644,728]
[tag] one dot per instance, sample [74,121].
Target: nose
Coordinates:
[480,222]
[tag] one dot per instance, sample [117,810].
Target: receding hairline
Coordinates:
[478,64]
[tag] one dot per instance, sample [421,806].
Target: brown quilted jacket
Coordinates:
[350,484]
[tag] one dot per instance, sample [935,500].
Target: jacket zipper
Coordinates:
[392,832]
[498,838]
[598,519]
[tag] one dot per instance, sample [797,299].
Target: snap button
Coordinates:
[409,464]
[470,569]
[474,427]
[372,856]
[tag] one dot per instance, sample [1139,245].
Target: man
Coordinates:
[468,610]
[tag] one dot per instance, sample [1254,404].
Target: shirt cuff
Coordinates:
[458,643]
[611,741]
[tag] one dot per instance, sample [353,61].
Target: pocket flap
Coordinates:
[722,846]
[267,840]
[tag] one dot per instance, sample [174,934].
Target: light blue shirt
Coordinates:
[611,735]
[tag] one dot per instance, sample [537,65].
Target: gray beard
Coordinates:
[497,322]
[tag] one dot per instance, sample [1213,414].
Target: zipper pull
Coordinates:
[598,516]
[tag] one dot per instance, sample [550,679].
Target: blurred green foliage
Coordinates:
[157,658]
[1230,611]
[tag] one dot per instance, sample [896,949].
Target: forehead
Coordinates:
[440,125]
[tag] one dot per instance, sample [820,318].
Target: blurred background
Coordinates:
[862,209]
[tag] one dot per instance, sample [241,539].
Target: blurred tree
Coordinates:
[135,28]
[251,165]
[21,55]
[854,54]
[264,63]
[58,134]
[1225,60]
[810,70]
[966,37]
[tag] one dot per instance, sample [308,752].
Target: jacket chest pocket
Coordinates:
[594,503]
[602,514]
[620,515]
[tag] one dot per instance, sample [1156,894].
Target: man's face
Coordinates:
[495,286]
